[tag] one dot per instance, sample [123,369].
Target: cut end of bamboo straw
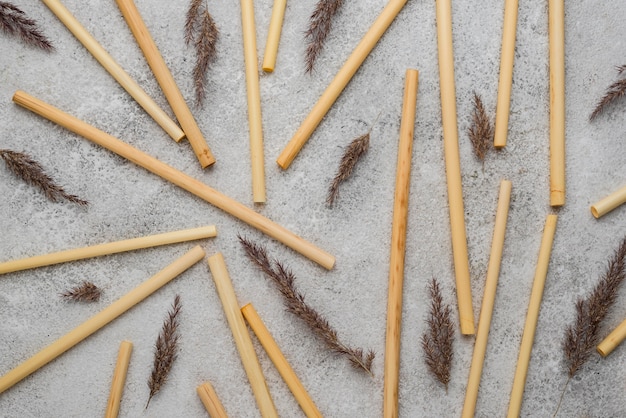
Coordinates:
[594,211]
[268,68]
[557,198]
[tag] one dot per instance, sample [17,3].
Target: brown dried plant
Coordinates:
[84,292]
[294,302]
[353,153]
[481,130]
[13,21]
[201,30]
[319,26]
[32,173]
[613,93]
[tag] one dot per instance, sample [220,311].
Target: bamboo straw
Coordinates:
[115,70]
[101,319]
[398,246]
[556,18]
[612,340]
[609,203]
[279,360]
[240,334]
[453,166]
[273,35]
[166,81]
[108,248]
[119,378]
[486,310]
[534,305]
[341,80]
[254,101]
[210,400]
[178,178]
[507,56]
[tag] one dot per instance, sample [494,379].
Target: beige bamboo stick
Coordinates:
[612,340]
[119,378]
[242,338]
[210,401]
[609,203]
[178,178]
[273,35]
[101,319]
[341,80]
[556,18]
[166,81]
[115,69]
[398,246]
[255,124]
[507,56]
[486,310]
[108,248]
[453,166]
[532,316]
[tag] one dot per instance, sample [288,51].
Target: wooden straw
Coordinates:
[532,315]
[507,55]
[453,166]
[612,340]
[115,70]
[609,203]
[398,245]
[254,101]
[486,310]
[119,378]
[242,337]
[108,248]
[178,178]
[273,35]
[279,360]
[101,319]
[341,80]
[210,400]
[166,81]
[556,18]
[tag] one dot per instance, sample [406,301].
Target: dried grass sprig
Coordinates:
[320,23]
[84,292]
[13,21]
[294,302]
[481,130]
[353,153]
[201,30]
[612,94]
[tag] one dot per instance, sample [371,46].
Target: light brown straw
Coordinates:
[119,378]
[556,33]
[210,401]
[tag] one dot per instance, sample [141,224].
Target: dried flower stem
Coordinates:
[201,30]
[85,292]
[319,27]
[481,130]
[613,93]
[13,21]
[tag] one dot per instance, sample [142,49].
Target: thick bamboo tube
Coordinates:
[210,401]
[609,203]
[489,297]
[273,35]
[341,80]
[101,319]
[178,178]
[280,362]
[453,166]
[166,81]
[556,33]
[108,248]
[241,336]
[532,316]
[114,69]
[614,339]
[119,378]
[398,246]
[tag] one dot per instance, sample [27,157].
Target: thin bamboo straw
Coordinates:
[254,101]
[273,35]
[486,310]
[210,401]
[240,334]
[115,70]
[119,378]
[101,319]
[178,178]
[166,81]
[609,203]
[556,18]
[108,248]
[614,339]
[507,55]
[534,305]
[398,246]
[341,80]
[453,166]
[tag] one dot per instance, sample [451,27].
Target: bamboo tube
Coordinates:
[273,35]
[210,401]
[556,18]
[108,248]
[398,246]
[341,80]
[532,316]
[101,319]
[609,203]
[254,101]
[178,178]
[614,339]
[282,365]
[507,55]
[243,341]
[486,310]
[166,81]
[119,378]
[115,70]
[453,166]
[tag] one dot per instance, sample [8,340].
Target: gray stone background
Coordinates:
[127,201]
